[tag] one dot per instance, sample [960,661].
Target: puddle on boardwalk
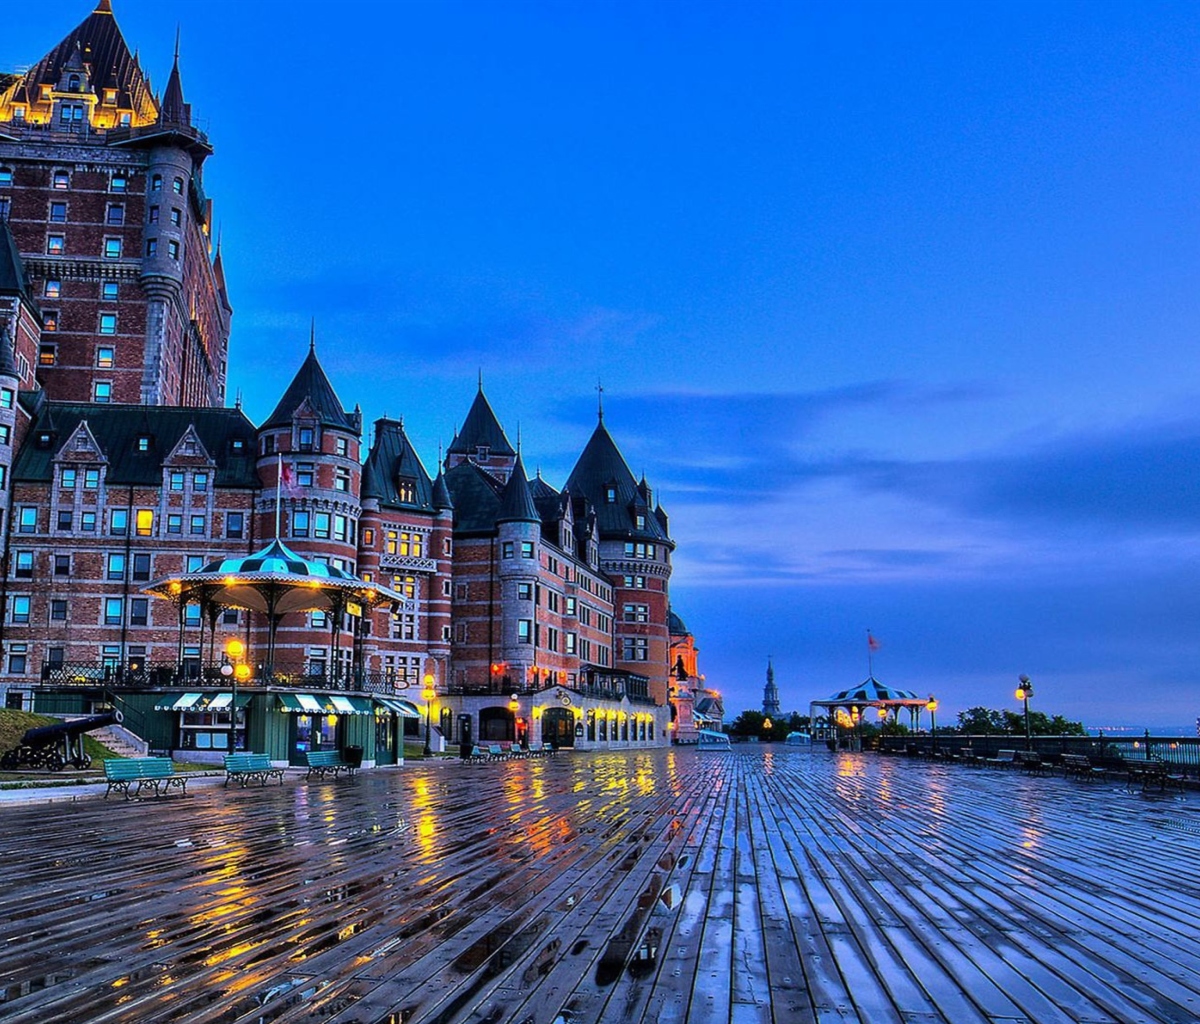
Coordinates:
[625,945]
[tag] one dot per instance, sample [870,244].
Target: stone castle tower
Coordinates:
[771,707]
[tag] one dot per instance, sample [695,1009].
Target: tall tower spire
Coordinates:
[771,706]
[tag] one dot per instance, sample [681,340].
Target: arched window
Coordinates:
[74,84]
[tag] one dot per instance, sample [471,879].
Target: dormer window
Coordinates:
[237,445]
[305,436]
[483,452]
[640,521]
[74,84]
[406,490]
[110,97]
[144,442]
[45,439]
[610,494]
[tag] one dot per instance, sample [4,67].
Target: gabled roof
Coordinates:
[601,467]
[310,384]
[516,503]
[12,271]
[117,428]
[476,497]
[392,458]
[97,46]
[480,429]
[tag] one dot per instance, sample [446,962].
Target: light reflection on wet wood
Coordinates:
[763,886]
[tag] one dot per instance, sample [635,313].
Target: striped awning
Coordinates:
[401,707]
[324,704]
[201,701]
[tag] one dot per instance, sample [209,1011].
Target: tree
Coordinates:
[978,720]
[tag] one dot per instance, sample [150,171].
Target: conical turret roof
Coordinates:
[481,428]
[174,110]
[312,386]
[516,503]
[12,270]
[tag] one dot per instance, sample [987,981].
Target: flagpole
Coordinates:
[278,493]
[870,646]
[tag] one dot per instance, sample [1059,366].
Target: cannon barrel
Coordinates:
[43,735]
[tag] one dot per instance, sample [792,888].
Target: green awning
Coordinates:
[401,707]
[216,700]
[324,704]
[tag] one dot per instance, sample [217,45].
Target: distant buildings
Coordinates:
[538,614]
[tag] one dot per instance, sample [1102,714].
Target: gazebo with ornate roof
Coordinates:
[871,693]
[273,582]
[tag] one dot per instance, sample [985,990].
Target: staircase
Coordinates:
[121,741]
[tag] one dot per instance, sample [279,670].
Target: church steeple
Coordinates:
[771,706]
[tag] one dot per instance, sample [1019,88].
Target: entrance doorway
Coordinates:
[558,727]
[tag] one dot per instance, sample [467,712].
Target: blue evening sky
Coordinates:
[894,304]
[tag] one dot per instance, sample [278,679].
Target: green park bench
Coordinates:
[247,768]
[129,775]
[326,762]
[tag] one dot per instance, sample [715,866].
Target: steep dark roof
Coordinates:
[392,458]
[480,429]
[675,625]
[97,43]
[441,493]
[174,110]
[602,466]
[12,271]
[516,503]
[116,429]
[310,384]
[476,497]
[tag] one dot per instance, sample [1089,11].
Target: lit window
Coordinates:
[67,477]
[27,522]
[50,320]
[112,611]
[102,391]
[105,356]
[108,323]
[91,479]
[116,214]
[116,567]
[200,481]
[143,442]
[118,521]
[195,563]
[406,490]
[55,245]
[119,183]
[20,609]
[5,175]
[177,480]
[108,290]
[47,355]
[53,289]
[112,248]
[145,522]
[110,97]
[58,213]
[526,549]
[60,180]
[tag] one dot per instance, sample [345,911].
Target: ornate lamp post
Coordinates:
[234,670]
[767,726]
[428,693]
[1024,692]
[932,707]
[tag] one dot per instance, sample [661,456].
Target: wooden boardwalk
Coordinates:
[763,885]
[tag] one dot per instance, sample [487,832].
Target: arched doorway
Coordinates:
[497,725]
[558,727]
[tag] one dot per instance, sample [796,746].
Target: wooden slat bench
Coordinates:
[128,775]
[477,755]
[326,762]
[1079,766]
[1151,773]
[497,752]
[1032,763]
[1003,759]
[247,768]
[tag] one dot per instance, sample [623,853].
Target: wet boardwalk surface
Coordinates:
[766,885]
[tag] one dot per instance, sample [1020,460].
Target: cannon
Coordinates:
[56,746]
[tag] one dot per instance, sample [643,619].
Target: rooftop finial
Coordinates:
[312,336]
[176,42]
[481,378]
[600,399]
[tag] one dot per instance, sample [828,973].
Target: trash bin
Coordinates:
[353,756]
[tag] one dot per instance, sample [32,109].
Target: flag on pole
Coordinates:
[287,478]
[872,643]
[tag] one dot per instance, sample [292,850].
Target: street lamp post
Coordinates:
[233,669]
[1024,692]
[428,693]
[931,707]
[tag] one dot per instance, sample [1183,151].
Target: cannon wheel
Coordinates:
[81,762]
[11,759]
[56,762]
